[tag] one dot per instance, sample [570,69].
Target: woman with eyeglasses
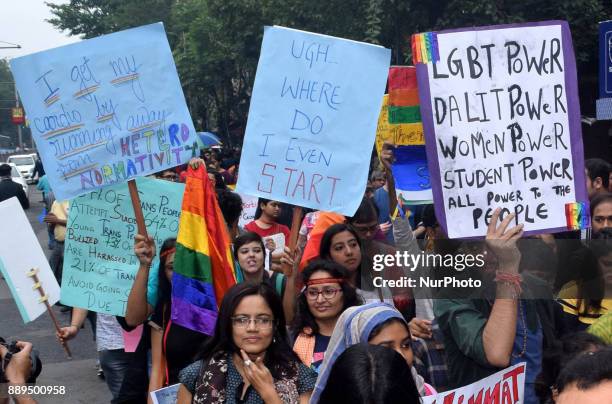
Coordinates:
[248,360]
[345,245]
[374,323]
[327,293]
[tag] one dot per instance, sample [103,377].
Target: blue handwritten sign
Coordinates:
[105,110]
[312,120]
[99,261]
[604,103]
[605,59]
[411,174]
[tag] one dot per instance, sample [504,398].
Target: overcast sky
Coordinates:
[23,22]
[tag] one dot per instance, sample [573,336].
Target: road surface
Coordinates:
[77,375]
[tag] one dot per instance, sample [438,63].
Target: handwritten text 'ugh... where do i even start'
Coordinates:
[304,128]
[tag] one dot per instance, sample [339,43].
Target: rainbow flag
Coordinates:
[203,264]
[577,215]
[425,48]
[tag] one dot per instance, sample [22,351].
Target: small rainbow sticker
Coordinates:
[52,98]
[577,215]
[124,79]
[425,48]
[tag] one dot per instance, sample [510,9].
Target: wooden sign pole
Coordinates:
[142,229]
[293,236]
[45,299]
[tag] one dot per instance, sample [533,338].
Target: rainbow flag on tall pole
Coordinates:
[203,264]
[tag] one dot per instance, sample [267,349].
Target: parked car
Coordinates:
[25,164]
[18,178]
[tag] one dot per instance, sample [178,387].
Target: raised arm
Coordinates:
[386,157]
[500,329]
[289,262]
[138,309]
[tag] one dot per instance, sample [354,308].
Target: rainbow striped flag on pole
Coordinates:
[203,264]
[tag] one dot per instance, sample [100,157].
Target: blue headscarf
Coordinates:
[354,326]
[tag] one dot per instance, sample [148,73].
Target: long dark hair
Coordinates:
[590,282]
[165,287]
[598,200]
[555,357]
[366,212]
[367,373]
[258,210]
[279,358]
[326,240]
[303,316]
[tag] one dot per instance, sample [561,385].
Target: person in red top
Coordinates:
[266,224]
[266,216]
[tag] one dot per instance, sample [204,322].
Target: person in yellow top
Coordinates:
[57,219]
[588,298]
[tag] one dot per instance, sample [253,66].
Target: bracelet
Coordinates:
[510,279]
[78,327]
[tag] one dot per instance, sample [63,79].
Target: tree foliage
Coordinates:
[216,43]
[7,101]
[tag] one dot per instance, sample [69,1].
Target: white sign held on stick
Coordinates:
[21,252]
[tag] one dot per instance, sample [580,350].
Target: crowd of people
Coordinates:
[307,324]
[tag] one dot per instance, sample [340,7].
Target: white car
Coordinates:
[25,164]
[18,178]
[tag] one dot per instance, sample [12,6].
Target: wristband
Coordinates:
[510,279]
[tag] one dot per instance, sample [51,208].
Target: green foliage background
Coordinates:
[216,42]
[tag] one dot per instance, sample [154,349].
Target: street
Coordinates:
[77,375]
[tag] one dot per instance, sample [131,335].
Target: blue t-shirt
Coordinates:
[321,343]
[153,283]
[381,199]
[532,355]
[43,185]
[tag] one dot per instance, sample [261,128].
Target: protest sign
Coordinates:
[99,261]
[410,170]
[502,127]
[312,119]
[20,252]
[166,395]
[249,206]
[504,387]
[604,103]
[274,244]
[105,110]
[399,134]
[411,175]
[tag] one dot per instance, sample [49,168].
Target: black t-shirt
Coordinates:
[180,344]
[134,385]
[321,343]
[277,281]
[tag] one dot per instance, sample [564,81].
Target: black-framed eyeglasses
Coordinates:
[327,293]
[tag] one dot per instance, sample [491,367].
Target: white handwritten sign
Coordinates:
[504,387]
[502,125]
[99,261]
[249,207]
[312,120]
[19,253]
